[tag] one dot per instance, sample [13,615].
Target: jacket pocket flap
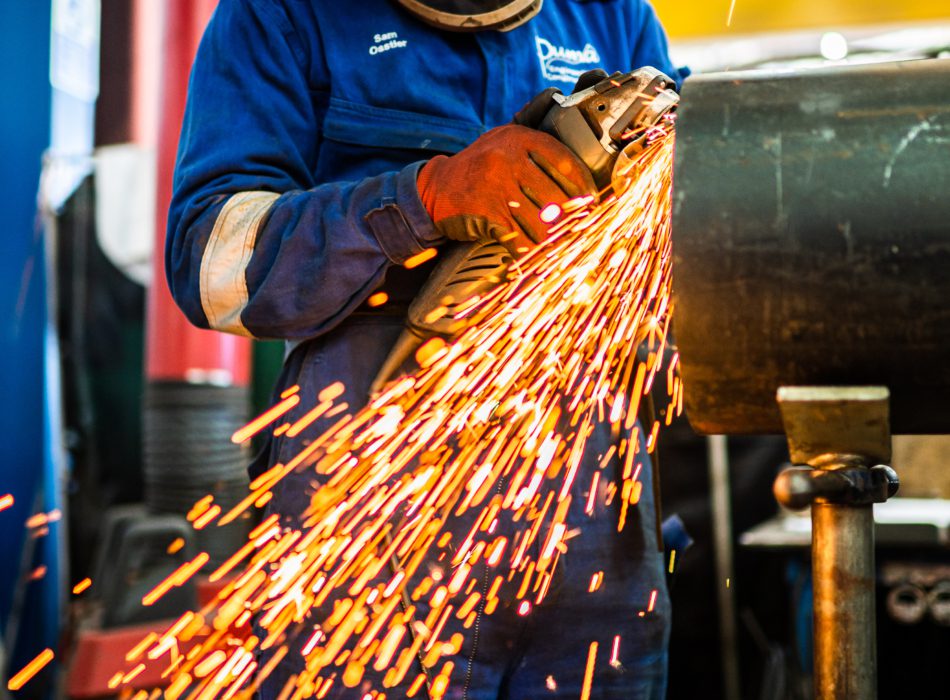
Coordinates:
[366,125]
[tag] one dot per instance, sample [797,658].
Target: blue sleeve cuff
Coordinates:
[683,72]
[401,224]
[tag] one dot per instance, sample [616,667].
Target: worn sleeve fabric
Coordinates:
[254,245]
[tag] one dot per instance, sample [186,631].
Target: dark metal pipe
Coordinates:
[812,241]
[845,640]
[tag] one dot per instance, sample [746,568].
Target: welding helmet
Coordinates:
[473,15]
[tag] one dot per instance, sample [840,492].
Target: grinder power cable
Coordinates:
[606,125]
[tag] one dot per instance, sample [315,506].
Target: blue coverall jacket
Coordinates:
[295,200]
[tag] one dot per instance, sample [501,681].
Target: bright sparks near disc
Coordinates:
[449,494]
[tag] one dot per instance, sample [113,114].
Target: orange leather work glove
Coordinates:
[495,189]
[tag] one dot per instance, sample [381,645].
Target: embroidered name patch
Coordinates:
[386,42]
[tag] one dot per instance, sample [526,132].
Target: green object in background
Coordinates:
[267,361]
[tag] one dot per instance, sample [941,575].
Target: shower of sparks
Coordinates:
[491,430]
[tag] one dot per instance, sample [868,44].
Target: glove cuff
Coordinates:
[401,224]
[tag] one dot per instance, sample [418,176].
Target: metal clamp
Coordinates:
[853,485]
[840,433]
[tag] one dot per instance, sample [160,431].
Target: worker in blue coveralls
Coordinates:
[324,144]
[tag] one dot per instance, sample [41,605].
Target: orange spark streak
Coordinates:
[210,664]
[82,586]
[139,649]
[287,393]
[199,508]
[417,260]
[178,686]
[176,578]
[595,480]
[589,671]
[331,392]
[416,685]
[209,515]
[275,475]
[6,501]
[133,674]
[265,419]
[31,669]
[232,561]
[308,418]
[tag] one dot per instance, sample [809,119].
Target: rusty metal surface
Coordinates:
[844,614]
[812,241]
[822,421]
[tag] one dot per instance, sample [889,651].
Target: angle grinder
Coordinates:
[606,125]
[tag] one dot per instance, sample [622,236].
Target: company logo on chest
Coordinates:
[386,41]
[565,63]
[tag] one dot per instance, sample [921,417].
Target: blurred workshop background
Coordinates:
[115,415]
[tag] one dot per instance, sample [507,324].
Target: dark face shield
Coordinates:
[473,15]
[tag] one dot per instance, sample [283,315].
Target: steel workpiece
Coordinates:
[811,241]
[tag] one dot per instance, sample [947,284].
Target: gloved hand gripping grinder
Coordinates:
[606,126]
